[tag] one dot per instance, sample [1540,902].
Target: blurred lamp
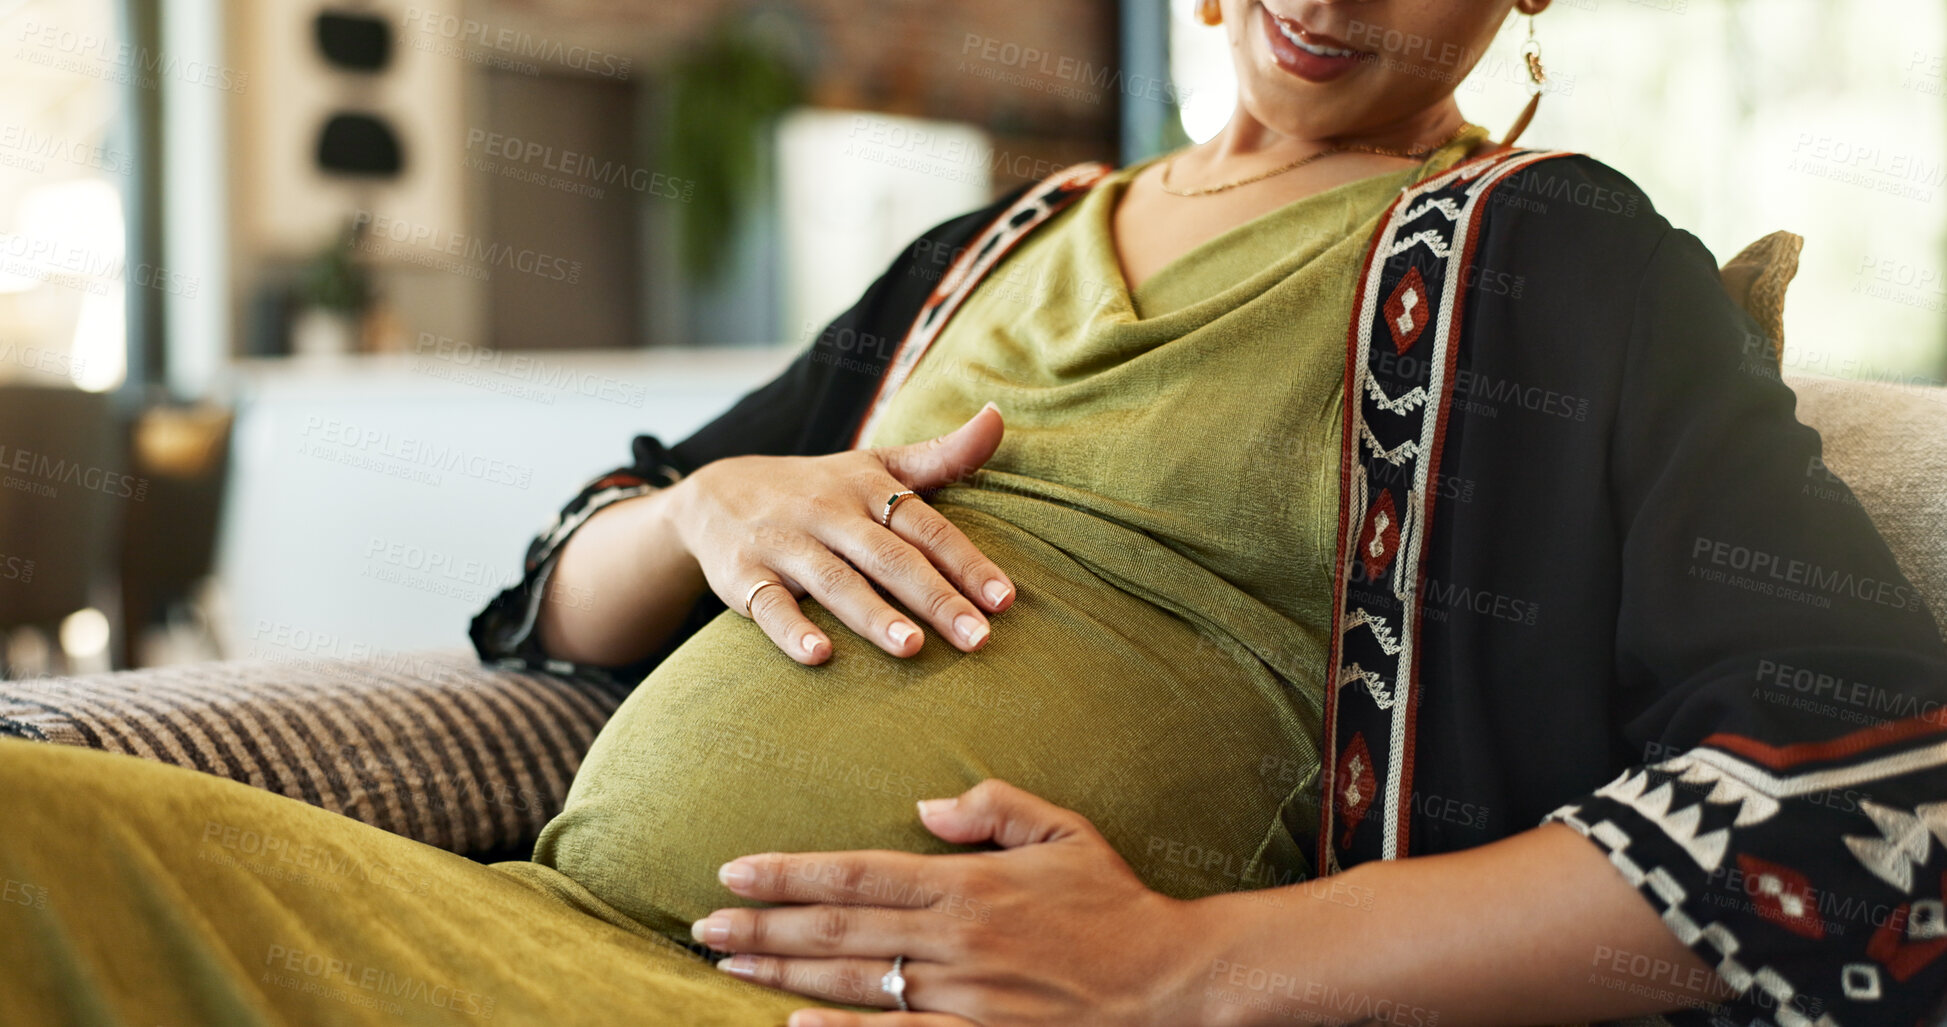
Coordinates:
[84,634]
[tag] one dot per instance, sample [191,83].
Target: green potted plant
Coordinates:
[725,91]
[333,294]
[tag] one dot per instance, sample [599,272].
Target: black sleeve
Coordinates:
[811,407]
[1783,681]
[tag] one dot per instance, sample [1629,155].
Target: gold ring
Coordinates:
[885,517]
[752,594]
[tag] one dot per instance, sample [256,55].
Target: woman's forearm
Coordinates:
[622,584]
[1538,928]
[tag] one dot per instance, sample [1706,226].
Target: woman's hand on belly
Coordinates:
[812,524]
[1061,933]
[989,937]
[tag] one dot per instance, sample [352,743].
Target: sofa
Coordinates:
[475,758]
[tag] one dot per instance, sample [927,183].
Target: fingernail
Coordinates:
[969,628]
[812,643]
[735,875]
[805,1018]
[935,807]
[996,406]
[900,632]
[741,966]
[711,930]
[996,591]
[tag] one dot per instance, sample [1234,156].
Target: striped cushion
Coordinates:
[435,747]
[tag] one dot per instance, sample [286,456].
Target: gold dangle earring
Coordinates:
[1537,78]
[1210,12]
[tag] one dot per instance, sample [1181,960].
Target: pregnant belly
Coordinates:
[1185,756]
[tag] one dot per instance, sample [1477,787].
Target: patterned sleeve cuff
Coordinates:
[1673,850]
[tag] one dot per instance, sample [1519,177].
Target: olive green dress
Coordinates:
[1165,502]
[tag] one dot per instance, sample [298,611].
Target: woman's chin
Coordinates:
[1312,110]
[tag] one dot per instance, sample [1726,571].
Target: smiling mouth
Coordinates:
[1317,46]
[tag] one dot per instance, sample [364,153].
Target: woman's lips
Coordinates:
[1310,57]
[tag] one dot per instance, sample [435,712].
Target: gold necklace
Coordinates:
[1419,154]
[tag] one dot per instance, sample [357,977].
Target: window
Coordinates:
[1739,119]
[63,173]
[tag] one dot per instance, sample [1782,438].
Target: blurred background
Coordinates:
[311,314]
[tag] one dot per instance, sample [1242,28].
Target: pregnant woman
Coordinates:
[1356,544]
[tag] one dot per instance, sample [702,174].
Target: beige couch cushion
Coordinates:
[1889,443]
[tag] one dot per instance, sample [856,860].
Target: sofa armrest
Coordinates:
[1884,440]
[435,747]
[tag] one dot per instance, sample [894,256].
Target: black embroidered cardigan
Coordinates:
[1591,571]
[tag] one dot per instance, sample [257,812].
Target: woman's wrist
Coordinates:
[665,512]
[1197,935]
[658,528]
[1278,958]
[621,583]
[660,555]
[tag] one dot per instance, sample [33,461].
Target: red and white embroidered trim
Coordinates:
[1039,204]
[1401,350]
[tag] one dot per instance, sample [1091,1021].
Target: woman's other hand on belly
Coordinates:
[811,524]
[988,937]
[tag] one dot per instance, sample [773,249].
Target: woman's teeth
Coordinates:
[1311,48]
